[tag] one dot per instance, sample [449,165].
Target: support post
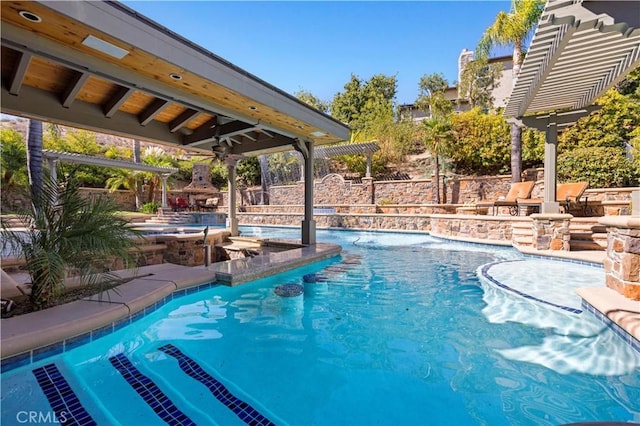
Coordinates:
[232,220]
[308,224]
[53,172]
[550,204]
[164,178]
[368,174]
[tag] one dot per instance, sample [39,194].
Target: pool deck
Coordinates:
[30,337]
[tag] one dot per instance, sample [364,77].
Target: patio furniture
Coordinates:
[518,190]
[210,204]
[566,194]
[178,204]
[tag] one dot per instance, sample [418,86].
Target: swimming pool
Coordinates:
[399,329]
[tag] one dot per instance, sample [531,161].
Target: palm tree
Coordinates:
[436,128]
[71,234]
[513,29]
[128,179]
[34,159]
[437,134]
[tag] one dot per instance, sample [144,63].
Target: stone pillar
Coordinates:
[622,264]
[368,184]
[551,231]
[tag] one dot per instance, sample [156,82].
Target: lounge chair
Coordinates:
[566,194]
[517,191]
[210,204]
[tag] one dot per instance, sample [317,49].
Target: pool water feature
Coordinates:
[399,329]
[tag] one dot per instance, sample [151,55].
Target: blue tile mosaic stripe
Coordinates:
[63,401]
[485,273]
[29,357]
[243,410]
[150,392]
[619,331]
[565,260]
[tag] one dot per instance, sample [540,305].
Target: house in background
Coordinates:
[500,93]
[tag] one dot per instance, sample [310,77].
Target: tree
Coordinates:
[478,81]
[600,148]
[155,156]
[34,159]
[311,100]
[513,29]
[436,129]
[127,179]
[71,234]
[481,143]
[13,159]
[362,103]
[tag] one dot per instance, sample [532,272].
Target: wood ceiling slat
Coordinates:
[136,103]
[97,91]
[47,76]
[168,114]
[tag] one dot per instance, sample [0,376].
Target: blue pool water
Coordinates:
[401,329]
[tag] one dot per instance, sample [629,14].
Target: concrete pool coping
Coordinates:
[29,337]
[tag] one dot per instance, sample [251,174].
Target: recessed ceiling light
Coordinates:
[299,126]
[318,134]
[253,107]
[30,16]
[175,76]
[104,47]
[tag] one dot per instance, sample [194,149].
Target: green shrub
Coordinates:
[150,208]
[602,167]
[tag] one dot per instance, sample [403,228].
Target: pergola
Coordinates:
[54,157]
[102,66]
[366,148]
[580,49]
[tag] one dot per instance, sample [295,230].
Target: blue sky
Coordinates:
[316,46]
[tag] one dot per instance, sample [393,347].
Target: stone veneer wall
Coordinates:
[495,230]
[332,189]
[622,264]
[551,231]
[483,228]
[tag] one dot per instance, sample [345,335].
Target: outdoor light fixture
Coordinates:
[104,47]
[175,76]
[318,134]
[29,16]
[253,107]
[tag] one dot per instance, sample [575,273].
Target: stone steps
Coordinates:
[171,218]
[587,234]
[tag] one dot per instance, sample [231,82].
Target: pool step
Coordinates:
[63,400]
[587,234]
[171,218]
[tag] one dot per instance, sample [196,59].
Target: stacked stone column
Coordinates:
[551,231]
[622,264]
